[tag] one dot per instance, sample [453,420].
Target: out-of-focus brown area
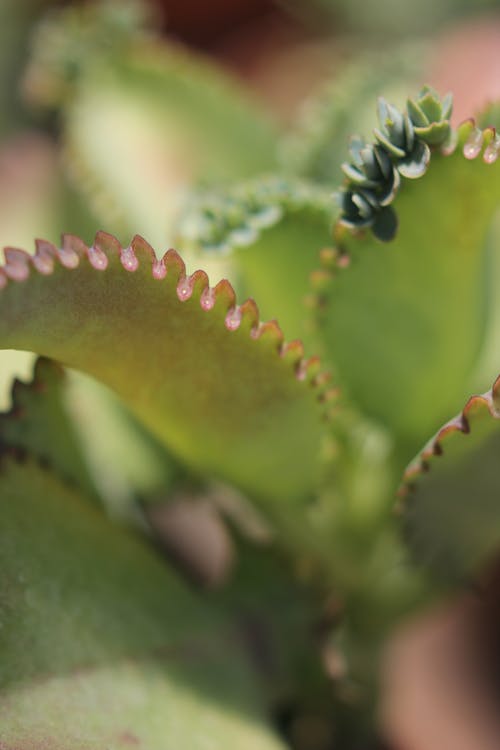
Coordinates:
[257,41]
[467,62]
[201,23]
[441,676]
[283,60]
[193,535]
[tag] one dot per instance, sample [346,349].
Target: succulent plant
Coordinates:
[430,116]
[296,440]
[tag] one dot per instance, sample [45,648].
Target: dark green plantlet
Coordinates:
[373,175]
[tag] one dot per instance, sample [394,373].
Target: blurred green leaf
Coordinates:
[388,19]
[100,643]
[271,229]
[450,501]
[127,463]
[143,119]
[315,147]
[39,423]
[16,25]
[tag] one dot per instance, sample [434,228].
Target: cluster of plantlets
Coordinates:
[402,149]
[213,400]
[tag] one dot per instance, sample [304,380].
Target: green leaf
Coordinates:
[86,435]
[127,463]
[272,229]
[143,120]
[100,644]
[415,164]
[405,322]
[450,492]
[39,422]
[220,389]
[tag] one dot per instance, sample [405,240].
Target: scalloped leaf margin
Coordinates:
[219,387]
[449,498]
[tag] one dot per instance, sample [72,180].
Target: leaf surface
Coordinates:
[143,119]
[127,463]
[450,495]
[273,223]
[100,644]
[405,322]
[39,422]
[202,373]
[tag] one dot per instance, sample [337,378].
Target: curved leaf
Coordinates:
[405,323]
[39,423]
[87,437]
[450,496]
[100,644]
[271,223]
[127,463]
[143,119]
[201,372]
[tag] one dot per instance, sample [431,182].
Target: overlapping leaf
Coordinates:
[85,434]
[405,323]
[39,423]
[143,120]
[200,371]
[450,498]
[273,223]
[100,644]
[127,463]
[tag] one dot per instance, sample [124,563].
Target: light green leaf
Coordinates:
[127,463]
[100,644]
[143,119]
[198,370]
[39,423]
[406,321]
[450,495]
[85,434]
[272,229]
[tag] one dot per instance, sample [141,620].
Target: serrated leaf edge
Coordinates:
[73,251]
[436,445]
